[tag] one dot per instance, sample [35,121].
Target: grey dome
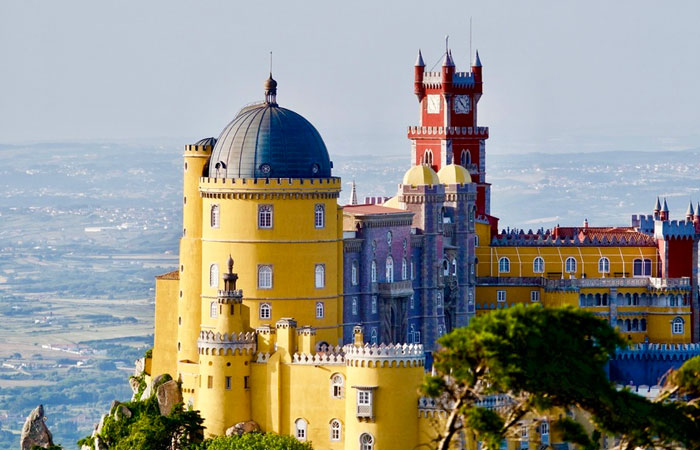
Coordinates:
[267,141]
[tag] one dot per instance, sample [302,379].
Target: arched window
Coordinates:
[678,326]
[264,216]
[320,276]
[413,270]
[319,310]
[604,265]
[635,325]
[335,430]
[366,441]
[265,311]
[643,324]
[300,427]
[337,386]
[373,336]
[374,271]
[641,267]
[214,275]
[628,325]
[464,158]
[428,157]
[354,305]
[404,269]
[213,310]
[353,277]
[320,216]
[264,277]
[214,216]
[454,266]
[538,265]
[374,304]
[445,267]
[389,269]
[504,265]
[570,265]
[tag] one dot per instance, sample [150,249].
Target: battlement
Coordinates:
[439,132]
[674,229]
[515,238]
[198,150]
[662,352]
[459,79]
[392,355]
[214,343]
[334,358]
[218,186]
[227,297]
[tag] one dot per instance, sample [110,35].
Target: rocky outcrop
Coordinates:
[242,428]
[168,395]
[35,432]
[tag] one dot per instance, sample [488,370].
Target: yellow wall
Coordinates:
[165,333]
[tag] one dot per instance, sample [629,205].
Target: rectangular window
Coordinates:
[228,383]
[320,216]
[501,296]
[374,304]
[264,216]
[245,382]
[534,296]
[354,305]
[210,382]
[364,403]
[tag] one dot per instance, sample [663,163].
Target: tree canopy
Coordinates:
[545,358]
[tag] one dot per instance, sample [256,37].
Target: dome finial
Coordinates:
[271,88]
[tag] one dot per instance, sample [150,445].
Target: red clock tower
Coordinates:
[448,131]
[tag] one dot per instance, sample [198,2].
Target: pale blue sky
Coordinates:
[559,75]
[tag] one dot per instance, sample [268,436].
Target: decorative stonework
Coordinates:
[213,343]
[405,355]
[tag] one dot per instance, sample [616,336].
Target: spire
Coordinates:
[353,191]
[419,60]
[697,210]
[447,62]
[657,207]
[477,61]
[230,278]
[690,213]
[665,208]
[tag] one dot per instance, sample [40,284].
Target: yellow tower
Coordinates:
[225,355]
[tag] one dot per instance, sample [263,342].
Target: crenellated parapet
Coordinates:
[442,132]
[674,229]
[227,297]
[392,355]
[213,343]
[659,352]
[325,359]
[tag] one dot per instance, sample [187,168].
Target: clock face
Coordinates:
[462,104]
[433,104]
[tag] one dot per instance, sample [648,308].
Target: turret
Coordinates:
[448,70]
[657,209]
[476,68]
[233,316]
[418,71]
[664,211]
[690,214]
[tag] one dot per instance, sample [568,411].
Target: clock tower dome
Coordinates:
[448,132]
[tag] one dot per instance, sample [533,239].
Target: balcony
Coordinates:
[396,289]
[585,283]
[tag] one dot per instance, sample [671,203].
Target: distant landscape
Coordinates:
[86,227]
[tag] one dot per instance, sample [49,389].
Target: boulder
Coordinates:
[242,428]
[35,432]
[134,384]
[122,411]
[168,395]
[146,393]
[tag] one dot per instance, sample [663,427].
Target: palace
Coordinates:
[319,320]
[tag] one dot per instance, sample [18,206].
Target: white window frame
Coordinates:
[501,296]
[365,403]
[320,215]
[374,304]
[337,386]
[404,269]
[215,216]
[320,276]
[336,430]
[265,281]
[534,296]
[366,441]
[412,301]
[678,326]
[373,338]
[570,265]
[538,265]
[454,266]
[373,271]
[265,311]
[353,273]
[389,269]
[503,264]
[300,429]
[320,310]
[214,275]
[603,265]
[265,216]
[354,305]
[213,310]
[413,270]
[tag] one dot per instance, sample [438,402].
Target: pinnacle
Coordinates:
[665,208]
[419,60]
[657,207]
[477,60]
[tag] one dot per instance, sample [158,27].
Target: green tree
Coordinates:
[254,441]
[545,358]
